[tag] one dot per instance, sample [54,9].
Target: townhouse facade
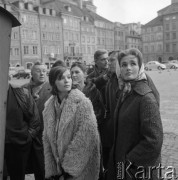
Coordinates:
[69,30]
[160,35]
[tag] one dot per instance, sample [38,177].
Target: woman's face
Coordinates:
[64,84]
[129,67]
[77,75]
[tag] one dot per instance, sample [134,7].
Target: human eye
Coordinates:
[123,65]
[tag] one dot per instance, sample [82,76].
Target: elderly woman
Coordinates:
[70,137]
[138,127]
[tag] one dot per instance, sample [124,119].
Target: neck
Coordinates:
[37,83]
[62,95]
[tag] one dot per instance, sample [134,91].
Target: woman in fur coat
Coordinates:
[70,138]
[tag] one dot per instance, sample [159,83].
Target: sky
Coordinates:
[130,11]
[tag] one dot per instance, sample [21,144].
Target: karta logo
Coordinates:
[128,169]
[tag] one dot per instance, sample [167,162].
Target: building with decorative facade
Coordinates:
[69,30]
[160,36]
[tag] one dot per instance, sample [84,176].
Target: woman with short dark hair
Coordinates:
[70,137]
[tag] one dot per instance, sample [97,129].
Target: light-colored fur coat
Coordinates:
[76,144]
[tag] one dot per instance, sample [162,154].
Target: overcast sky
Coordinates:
[128,11]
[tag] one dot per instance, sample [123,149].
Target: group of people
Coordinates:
[77,126]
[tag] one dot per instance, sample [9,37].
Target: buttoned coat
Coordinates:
[138,133]
[74,144]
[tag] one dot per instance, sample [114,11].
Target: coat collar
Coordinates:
[142,88]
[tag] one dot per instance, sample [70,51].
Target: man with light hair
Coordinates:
[40,90]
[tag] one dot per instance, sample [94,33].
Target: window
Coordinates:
[167,27]
[167,36]
[16,51]
[26,50]
[167,47]
[174,35]
[35,50]
[174,47]
[173,26]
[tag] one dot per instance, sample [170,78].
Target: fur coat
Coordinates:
[75,146]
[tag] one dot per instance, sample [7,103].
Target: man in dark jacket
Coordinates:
[99,76]
[22,128]
[40,90]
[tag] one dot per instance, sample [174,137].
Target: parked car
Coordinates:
[171,65]
[22,74]
[154,65]
[174,61]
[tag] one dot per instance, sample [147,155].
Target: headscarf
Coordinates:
[126,86]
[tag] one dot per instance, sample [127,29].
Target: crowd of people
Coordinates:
[71,125]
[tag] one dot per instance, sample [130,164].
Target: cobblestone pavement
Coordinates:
[170,152]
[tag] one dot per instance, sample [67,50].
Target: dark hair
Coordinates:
[82,66]
[59,63]
[131,51]
[54,74]
[98,53]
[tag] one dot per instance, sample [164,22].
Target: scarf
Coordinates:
[35,89]
[126,86]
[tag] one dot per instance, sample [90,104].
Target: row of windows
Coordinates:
[29,19]
[14,51]
[29,34]
[103,41]
[88,49]
[48,23]
[152,37]
[71,22]
[171,47]
[152,29]
[119,33]
[153,48]
[72,50]
[133,40]
[171,26]
[51,36]
[88,39]
[105,33]
[30,50]
[52,49]
[71,36]
[87,29]
[14,35]
[169,36]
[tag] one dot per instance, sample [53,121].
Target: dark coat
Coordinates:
[44,95]
[112,94]
[22,121]
[138,133]
[97,78]
[94,95]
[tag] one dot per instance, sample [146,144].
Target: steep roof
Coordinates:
[95,16]
[61,7]
[155,22]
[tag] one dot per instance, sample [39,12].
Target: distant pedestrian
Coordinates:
[138,128]
[70,137]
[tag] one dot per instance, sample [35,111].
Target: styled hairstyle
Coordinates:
[59,63]
[82,66]
[54,74]
[98,53]
[132,51]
